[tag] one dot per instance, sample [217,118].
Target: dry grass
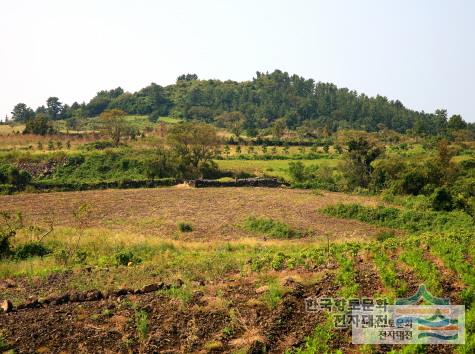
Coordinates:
[215,213]
[9,129]
[30,141]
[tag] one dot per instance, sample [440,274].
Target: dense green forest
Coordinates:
[274,99]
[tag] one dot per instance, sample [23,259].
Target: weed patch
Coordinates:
[271,228]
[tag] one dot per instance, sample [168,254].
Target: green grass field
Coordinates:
[169,120]
[274,168]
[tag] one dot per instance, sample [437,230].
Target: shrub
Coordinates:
[125,257]
[278,262]
[297,171]
[411,220]
[385,235]
[318,341]
[9,226]
[273,296]
[141,323]
[11,176]
[5,248]
[441,200]
[7,189]
[31,249]
[98,145]
[80,256]
[260,262]
[185,227]
[62,256]
[269,227]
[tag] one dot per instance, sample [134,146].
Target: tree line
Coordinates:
[274,101]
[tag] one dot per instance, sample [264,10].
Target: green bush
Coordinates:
[62,256]
[98,145]
[9,225]
[11,176]
[5,247]
[31,249]
[411,220]
[297,171]
[278,261]
[80,256]
[7,189]
[185,227]
[441,200]
[271,228]
[125,257]
[385,235]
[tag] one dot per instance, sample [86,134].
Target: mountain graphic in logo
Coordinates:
[422,295]
[430,321]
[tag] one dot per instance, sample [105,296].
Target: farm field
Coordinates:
[274,168]
[224,283]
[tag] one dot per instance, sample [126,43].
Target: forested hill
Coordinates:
[292,100]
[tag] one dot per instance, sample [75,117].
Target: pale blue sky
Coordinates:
[421,51]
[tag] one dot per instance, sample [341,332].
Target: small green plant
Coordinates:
[346,274]
[182,293]
[278,262]
[107,313]
[185,227]
[385,235]
[141,324]
[227,150]
[126,257]
[273,296]
[80,256]
[388,271]
[413,256]
[9,225]
[318,341]
[4,345]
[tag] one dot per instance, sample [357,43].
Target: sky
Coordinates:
[421,52]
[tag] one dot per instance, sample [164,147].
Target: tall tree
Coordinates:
[456,123]
[54,108]
[233,121]
[358,162]
[22,113]
[278,128]
[194,146]
[38,125]
[114,124]
[187,77]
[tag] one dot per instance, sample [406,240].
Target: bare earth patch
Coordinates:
[215,213]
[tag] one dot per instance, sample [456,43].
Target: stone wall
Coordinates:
[243,182]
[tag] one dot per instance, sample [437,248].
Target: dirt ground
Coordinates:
[206,324]
[215,213]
